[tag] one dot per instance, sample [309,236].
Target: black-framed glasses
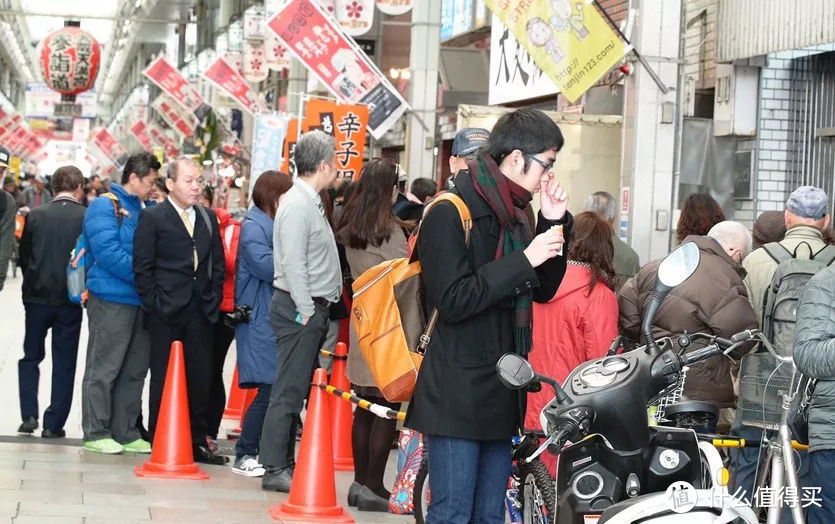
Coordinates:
[547,167]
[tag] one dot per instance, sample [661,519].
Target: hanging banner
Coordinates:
[347,124]
[513,73]
[165,76]
[355,16]
[183,122]
[80,129]
[9,124]
[226,78]
[277,56]
[111,148]
[289,145]
[335,59]
[254,67]
[139,131]
[394,7]
[267,142]
[569,40]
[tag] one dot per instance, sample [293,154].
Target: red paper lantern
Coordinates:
[70,59]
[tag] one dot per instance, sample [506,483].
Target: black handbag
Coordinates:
[798,419]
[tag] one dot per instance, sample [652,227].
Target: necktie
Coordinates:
[190,229]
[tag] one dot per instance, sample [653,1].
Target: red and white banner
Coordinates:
[355,16]
[162,73]
[277,56]
[139,131]
[254,68]
[394,7]
[226,77]
[110,147]
[182,121]
[334,58]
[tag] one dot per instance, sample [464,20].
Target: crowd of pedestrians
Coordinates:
[169,264]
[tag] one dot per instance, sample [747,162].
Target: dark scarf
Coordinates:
[508,201]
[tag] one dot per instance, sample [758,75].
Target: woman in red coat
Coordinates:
[581,320]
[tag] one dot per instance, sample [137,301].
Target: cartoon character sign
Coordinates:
[541,34]
[565,19]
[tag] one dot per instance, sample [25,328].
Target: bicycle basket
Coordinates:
[763,381]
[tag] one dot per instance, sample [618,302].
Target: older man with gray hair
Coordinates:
[307,280]
[712,301]
[626,260]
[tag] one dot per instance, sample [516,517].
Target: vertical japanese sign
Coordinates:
[289,145]
[314,38]
[513,73]
[162,73]
[139,131]
[227,78]
[267,144]
[568,39]
[183,122]
[347,124]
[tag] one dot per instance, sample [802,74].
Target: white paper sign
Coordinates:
[513,73]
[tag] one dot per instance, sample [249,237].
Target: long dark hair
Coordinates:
[591,243]
[698,214]
[367,217]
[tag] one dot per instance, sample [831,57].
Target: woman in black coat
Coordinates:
[483,294]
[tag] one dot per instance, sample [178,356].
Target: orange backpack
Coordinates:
[389,318]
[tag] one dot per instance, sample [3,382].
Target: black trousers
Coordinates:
[196,333]
[224,335]
[298,349]
[65,323]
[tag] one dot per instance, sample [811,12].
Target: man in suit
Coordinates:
[179,269]
[50,234]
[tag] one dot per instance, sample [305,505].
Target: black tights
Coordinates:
[371,440]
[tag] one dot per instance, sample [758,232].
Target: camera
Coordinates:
[238,315]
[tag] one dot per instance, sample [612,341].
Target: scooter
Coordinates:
[619,469]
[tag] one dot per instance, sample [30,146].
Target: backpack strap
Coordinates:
[202,211]
[467,223]
[826,255]
[117,206]
[778,252]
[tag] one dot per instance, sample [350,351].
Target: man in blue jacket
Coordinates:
[118,352]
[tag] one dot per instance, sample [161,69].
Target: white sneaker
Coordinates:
[248,466]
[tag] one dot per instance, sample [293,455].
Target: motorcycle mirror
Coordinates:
[676,267]
[514,371]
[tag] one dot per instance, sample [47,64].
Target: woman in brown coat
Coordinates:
[371,234]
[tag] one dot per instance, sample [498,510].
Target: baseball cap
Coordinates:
[4,157]
[468,140]
[808,202]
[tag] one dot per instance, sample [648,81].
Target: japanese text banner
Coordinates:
[569,40]
[317,40]
[267,144]
[138,130]
[162,73]
[229,80]
[347,125]
[175,116]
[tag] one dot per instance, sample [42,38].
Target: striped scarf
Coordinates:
[508,201]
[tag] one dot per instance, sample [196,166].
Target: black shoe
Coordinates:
[204,455]
[28,426]
[353,493]
[277,479]
[367,500]
[58,433]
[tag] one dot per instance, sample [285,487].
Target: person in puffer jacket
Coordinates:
[119,348]
[814,355]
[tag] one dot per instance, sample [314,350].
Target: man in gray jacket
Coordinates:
[307,280]
[814,354]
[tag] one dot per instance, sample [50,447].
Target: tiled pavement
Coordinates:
[58,483]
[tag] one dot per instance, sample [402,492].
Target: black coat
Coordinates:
[163,263]
[458,393]
[48,238]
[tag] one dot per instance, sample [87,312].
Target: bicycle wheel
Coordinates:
[420,495]
[538,493]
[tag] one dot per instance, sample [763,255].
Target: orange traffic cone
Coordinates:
[249,397]
[237,399]
[313,492]
[171,455]
[342,413]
